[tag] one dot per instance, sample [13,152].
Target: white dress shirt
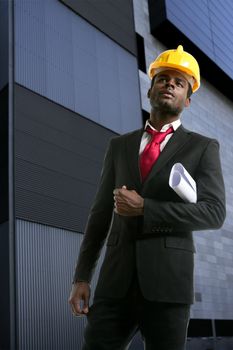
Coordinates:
[147,137]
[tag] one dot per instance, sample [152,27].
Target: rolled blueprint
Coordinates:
[183,183]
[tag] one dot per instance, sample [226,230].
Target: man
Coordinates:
[146,280]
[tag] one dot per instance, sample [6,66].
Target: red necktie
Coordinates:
[152,150]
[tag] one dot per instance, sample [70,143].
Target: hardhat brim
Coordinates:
[155,65]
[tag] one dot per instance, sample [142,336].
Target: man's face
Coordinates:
[169,92]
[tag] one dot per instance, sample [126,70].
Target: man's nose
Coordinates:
[170,82]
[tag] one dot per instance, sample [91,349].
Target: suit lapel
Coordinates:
[132,151]
[176,142]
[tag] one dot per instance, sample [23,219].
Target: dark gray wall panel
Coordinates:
[58,159]
[3,43]
[4,154]
[50,211]
[114,18]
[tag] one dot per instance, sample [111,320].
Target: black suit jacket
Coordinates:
[159,245]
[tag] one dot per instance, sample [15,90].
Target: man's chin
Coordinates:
[168,108]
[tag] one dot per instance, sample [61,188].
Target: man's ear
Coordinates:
[187,102]
[148,93]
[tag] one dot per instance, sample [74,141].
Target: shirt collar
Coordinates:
[174,124]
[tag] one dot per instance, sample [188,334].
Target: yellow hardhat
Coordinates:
[180,60]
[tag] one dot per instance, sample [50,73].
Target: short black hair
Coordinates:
[190,90]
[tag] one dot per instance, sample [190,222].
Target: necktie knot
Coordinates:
[158,136]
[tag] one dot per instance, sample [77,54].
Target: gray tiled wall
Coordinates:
[211,114]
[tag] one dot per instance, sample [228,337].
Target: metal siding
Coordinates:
[73,192]
[45,260]
[208,25]
[5,321]
[219,29]
[114,18]
[62,57]
[49,210]
[54,157]
[59,52]
[184,18]
[30,44]
[191,12]
[58,159]
[188,27]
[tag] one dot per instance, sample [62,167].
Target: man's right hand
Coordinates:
[79,298]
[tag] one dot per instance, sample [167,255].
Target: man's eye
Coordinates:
[162,80]
[180,84]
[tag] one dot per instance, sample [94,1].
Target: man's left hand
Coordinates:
[128,202]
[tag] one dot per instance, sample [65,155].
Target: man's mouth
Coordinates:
[167,93]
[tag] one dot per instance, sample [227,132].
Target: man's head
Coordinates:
[179,60]
[175,76]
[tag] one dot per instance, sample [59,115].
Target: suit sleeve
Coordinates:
[207,213]
[98,223]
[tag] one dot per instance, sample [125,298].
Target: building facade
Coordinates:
[73,75]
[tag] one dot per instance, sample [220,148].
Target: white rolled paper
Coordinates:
[183,183]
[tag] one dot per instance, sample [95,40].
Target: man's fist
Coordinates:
[79,298]
[128,202]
